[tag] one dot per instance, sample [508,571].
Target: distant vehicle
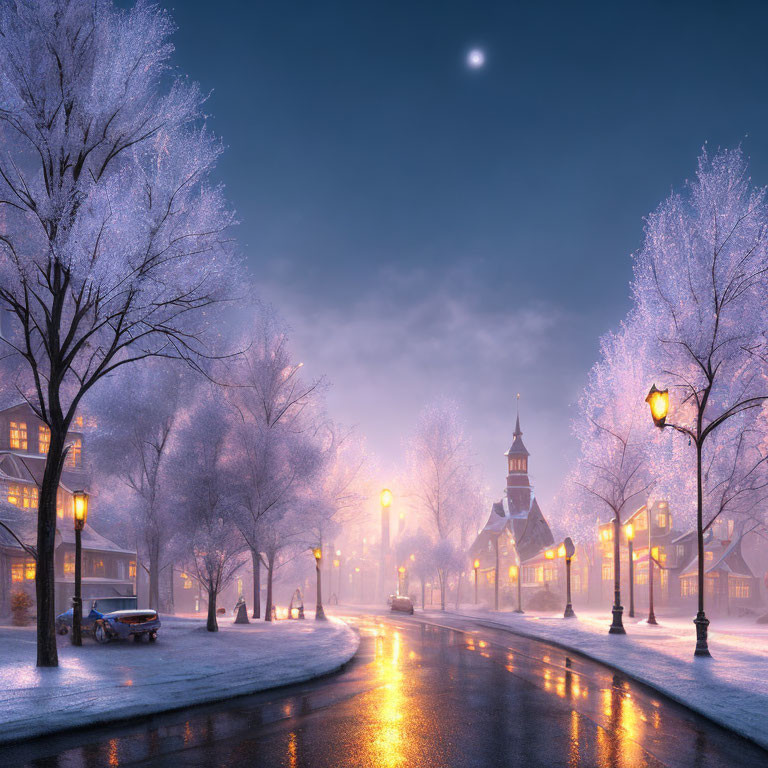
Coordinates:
[111,618]
[402,603]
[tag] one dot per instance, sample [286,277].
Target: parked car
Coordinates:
[402,603]
[110,618]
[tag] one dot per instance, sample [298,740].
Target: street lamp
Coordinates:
[80,507]
[476,566]
[568,551]
[319,612]
[386,498]
[658,400]
[630,532]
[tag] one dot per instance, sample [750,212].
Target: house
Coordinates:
[516,529]
[108,569]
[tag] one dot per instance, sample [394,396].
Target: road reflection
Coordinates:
[422,696]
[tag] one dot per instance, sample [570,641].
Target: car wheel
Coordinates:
[62,629]
[152,637]
[137,638]
[101,634]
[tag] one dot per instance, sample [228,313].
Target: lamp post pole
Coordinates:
[319,612]
[519,608]
[658,400]
[568,550]
[630,531]
[80,514]
[651,615]
[496,579]
[476,566]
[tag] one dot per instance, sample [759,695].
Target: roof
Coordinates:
[727,558]
[517,448]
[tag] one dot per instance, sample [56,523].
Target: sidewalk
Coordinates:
[731,688]
[187,665]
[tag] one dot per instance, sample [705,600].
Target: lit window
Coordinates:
[188,584]
[738,588]
[19,435]
[17,572]
[75,455]
[132,569]
[78,422]
[43,439]
[661,519]
[641,522]
[709,557]
[98,567]
[29,570]
[607,571]
[688,587]
[24,496]
[69,562]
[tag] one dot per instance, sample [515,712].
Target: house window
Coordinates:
[24,496]
[75,455]
[29,570]
[680,551]
[78,421]
[132,569]
[661,519]
[709,557]
[607,571]
[688,587]
[641,522]
[43,439]
[738,588]
[187,583]
[69,563]
[96,567]
[17,572]
[19,435]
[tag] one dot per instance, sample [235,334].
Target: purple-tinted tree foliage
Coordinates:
[114,246]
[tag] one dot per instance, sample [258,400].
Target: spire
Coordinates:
[517,444]
[518,432]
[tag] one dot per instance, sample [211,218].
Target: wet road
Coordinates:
[420,696]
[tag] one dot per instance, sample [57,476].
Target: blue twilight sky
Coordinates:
[429,229]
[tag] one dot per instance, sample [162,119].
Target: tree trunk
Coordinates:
[270,570]
[212,625]
[256,561]
[154,575]
[442,577]
[422,593]
[47,654]
[458,591]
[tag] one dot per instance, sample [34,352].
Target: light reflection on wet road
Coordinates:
[420,696]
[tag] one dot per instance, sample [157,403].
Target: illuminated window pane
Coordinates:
[132,569]
[19,435]
[43,439]
[17,572]
[69,563]
[75,454]
[29,570]
[188,584]
[14,494]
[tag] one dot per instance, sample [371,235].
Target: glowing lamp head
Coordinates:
[80,504]
[318,553]
[401,569]
[335,563]
[386,498]
[658,400]
[477,564]
[630,531]
[357,570]
[338,553]
[561,550]
[513,572]
[550,554]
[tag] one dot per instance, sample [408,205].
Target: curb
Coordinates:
[123,718]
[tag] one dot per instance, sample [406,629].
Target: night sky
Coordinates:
[428,229]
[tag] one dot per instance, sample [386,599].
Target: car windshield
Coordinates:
[109,604]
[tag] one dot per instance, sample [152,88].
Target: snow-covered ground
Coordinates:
[731,688]
[99,683]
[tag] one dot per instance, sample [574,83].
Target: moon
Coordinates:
[476,58]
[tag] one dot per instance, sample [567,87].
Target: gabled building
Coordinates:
[108,569]
[516,529]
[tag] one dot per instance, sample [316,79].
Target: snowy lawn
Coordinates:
[731,688]
[187,665]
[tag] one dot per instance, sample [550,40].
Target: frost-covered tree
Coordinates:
[612,428]
[700,284]
[137,418]
[205,500]
[114,246]
[441,482]
[275,454]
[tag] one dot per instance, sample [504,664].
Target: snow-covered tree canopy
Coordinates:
[113,241]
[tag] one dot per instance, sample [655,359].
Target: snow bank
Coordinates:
[97,684]
[731,688]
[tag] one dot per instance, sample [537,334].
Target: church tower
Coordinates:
[518,483]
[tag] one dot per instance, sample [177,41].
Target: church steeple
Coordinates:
[518,484]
